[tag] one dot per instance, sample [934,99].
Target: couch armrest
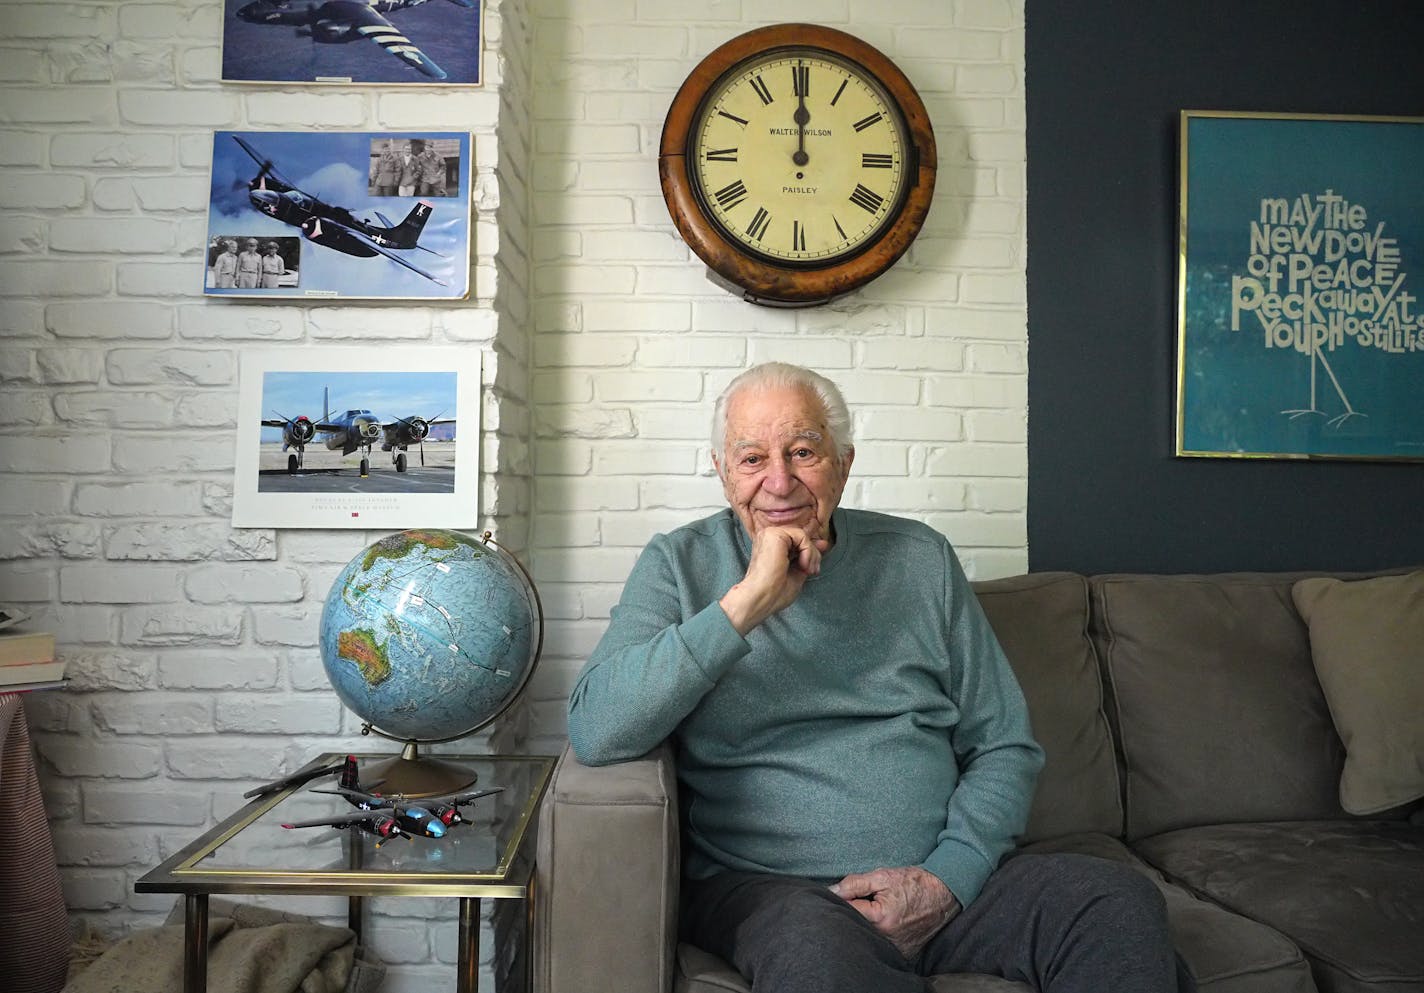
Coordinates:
[606,890]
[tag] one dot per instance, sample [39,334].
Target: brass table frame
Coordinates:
[511,878]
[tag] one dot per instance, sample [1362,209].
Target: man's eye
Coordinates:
[803,454]
[751,460]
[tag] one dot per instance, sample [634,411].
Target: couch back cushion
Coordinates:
[1218,712]
[1042,621]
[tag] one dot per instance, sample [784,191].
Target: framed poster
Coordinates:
[339,214]
[1300,326]
[376,437]
[345,42]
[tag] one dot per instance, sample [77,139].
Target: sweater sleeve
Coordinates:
[998,758]
[654,664]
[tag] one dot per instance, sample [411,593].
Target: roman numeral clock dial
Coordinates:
[798,163]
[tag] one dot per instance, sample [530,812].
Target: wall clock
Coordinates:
[798,163]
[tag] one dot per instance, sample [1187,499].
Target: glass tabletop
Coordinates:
[251,851]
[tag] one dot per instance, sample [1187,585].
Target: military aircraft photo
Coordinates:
[339,21]
[355,429]
[335,227]
[395,41]
[314,191]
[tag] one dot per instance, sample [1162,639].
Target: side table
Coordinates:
[250,852]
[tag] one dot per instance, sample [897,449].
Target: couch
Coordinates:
[1203,729]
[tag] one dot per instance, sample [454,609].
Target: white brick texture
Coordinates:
[632,343]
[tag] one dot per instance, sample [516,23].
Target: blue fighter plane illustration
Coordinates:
[355,429]
[335,227]
[339,21]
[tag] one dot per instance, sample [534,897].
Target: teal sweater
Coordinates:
[874,722]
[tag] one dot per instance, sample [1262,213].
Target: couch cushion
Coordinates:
[1349,893]
[1367,642]
[1225,952]
[1042,621]
[1219,713]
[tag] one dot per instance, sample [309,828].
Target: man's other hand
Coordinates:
[907,905]
[782,560]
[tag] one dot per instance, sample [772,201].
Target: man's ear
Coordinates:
[717,465]
[846,460]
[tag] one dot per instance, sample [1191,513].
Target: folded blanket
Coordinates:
[250,950]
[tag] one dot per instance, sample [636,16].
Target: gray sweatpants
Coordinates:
[1060,923]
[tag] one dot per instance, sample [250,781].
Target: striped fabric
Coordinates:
[34,924]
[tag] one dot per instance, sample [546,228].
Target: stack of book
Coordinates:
[27,661]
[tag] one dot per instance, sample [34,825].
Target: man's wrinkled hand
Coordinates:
[782,560]
[908,905]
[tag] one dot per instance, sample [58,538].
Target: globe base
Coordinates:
[417,776]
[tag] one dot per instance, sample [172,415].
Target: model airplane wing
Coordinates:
[372,800]
[456,799]
[341,820]
[375,28]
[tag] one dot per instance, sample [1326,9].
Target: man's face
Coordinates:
[780,467]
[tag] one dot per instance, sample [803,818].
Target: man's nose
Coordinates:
[779,478]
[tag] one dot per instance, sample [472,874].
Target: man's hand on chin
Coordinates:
[783,558]
[908,905]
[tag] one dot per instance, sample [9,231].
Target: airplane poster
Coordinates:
[422,42]
[358,438]
[347,215]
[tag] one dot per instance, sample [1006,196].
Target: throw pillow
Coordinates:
[1367,642]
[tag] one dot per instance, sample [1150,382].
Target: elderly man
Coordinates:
[853,750]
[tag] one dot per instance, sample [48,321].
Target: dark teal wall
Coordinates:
[1105,82]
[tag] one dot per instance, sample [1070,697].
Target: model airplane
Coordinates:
[331,226]
[356,428]
[385,817]
[339,21]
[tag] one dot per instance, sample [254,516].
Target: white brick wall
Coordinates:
[632,343]
[191,643]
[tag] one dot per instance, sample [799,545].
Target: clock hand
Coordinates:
[802,117]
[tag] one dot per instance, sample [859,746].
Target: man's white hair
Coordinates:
[778,375]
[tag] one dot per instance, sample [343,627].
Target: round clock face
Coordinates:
[800,157]
[798,162]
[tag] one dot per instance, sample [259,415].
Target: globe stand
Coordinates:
[418,776]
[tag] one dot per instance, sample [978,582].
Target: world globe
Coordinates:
[429,635]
